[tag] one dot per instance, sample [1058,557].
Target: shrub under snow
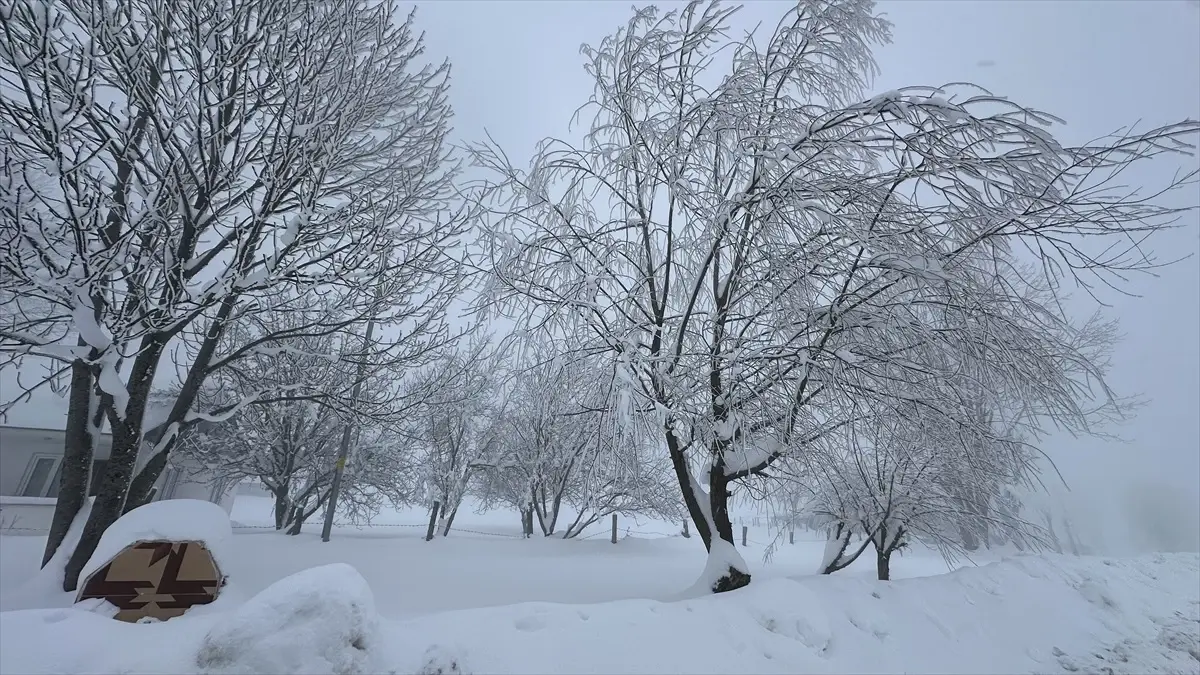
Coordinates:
[321,620]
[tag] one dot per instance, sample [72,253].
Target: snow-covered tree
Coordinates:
[557,445]
[544,437]
[201,161]
[744,232]
[302,409]
[454,428]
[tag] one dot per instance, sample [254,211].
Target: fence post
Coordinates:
[614,529]
[432,521]
[744,531]
[686,534]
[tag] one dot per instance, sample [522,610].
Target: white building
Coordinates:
[31,461]
[32,434]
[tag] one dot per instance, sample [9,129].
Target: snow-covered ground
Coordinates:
[381,599]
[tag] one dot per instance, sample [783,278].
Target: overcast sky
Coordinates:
[1098,65]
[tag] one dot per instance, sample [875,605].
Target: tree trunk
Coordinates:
[538,510]
[718,499]
[78,450]
[126,443]
[554,511]
[109,504]
[837,544]
[883,564]
[684,476]
[886,543]
[302,515]
[527,521]
[142,487]
[281,508]
[143,482]
[449,522]
[297,522]
[718,504]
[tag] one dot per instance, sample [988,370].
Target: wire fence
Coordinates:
[237,527]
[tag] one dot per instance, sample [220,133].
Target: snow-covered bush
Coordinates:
[321,620]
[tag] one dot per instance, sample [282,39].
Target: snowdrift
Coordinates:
[1028,614]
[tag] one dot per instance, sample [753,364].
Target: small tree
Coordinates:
[454,427]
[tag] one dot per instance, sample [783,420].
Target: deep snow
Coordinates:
[383,600]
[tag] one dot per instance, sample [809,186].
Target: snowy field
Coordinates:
[380,599]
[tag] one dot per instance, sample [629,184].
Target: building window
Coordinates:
[43,477]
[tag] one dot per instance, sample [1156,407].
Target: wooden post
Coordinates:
[792,536]
[744,531]
[432,521]
[686,534]
[614,529]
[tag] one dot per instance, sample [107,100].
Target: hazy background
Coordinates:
[1099,65]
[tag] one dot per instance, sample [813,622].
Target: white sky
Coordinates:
[1099,65]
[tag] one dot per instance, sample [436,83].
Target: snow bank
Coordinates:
[321,620]
[45,588]
[1021,615]
[1028,614]
[169,519]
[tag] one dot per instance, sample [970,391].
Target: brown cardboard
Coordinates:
[159,579]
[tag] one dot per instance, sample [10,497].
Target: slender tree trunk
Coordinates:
[554,511]
[838,554]
[527,521]
[302,515]
[539,509]
[436,516]
[683,475]
[143,483]
[281,508]
[127,442]
[718,496]
[449,522]
[78,450]
[297,522]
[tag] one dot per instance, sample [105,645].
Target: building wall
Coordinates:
[26,515]
[189,480]
[20,448]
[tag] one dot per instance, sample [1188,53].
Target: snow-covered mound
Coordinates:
[321,620]
[171,520]
[1029,614]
